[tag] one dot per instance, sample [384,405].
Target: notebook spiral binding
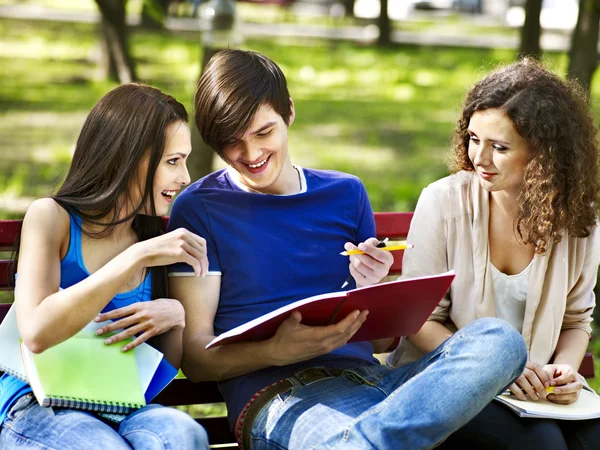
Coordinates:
[82,404]
[12,373]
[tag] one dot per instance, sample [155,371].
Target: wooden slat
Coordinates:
[394,226]
[5,283]
[587,366]
[8,233]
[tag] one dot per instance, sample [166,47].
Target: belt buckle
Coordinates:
[312,374]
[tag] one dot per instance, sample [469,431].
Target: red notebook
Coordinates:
[397,308]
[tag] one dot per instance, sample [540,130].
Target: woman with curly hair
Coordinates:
[518,224]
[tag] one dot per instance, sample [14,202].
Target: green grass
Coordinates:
[385,115]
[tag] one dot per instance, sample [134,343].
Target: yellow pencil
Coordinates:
[390,248]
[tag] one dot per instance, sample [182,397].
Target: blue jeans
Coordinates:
[30,426]
[412,407]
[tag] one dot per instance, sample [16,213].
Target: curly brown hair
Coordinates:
[559,191]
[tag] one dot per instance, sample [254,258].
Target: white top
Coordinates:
[511,295]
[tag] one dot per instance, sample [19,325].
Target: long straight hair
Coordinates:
[125,126]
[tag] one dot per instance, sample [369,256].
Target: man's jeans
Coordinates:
[412,407]
[30,426]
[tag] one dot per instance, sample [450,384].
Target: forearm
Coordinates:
[62,314]
[430,336]
[571,347]
[171,345]
[223,362]
[381,345]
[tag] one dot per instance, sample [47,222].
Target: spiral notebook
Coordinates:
[84,373]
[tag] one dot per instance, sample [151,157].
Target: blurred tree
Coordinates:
[115,59]
[201,159]
[154,13]
[349,7]
[217,21]
[384,24]
[584,54]
[531,30]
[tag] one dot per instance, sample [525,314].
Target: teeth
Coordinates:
[169,193]
[254,166]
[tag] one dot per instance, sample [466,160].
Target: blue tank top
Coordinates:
[72,271]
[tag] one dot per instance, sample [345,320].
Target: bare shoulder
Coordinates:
[46,217]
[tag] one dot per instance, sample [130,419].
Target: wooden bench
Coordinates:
[183,392]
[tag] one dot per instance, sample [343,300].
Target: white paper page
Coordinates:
[587,406]
[10,356]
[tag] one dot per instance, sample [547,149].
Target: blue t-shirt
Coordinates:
[72,271]
[272,250]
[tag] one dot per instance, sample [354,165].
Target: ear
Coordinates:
[292,112]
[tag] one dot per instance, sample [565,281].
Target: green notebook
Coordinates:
[84,373]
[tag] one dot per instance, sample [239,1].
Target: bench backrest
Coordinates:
[394,225]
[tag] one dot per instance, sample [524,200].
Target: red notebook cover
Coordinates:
[397,308]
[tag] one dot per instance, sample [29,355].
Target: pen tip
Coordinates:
[345,284]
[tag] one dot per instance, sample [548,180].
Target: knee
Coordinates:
[184,429]
[500,342]
[169,426]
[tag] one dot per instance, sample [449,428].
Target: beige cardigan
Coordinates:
[450,231]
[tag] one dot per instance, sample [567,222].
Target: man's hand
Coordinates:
[148,318]
[371,267]
[295,342]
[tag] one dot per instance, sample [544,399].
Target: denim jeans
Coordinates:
[412,407]
[29,426]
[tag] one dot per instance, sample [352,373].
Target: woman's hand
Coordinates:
[176,246]
[566,382]
[532,383]
[370,267]
[149,318]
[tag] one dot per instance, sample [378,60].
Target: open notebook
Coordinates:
[587,406]
[396,308]
[84,373]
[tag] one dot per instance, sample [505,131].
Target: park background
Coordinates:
[376,95]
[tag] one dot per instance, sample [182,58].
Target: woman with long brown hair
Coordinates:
[96,250]
[518,224]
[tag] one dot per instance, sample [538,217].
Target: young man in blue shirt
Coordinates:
[274,232]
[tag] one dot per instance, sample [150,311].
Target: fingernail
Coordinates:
[362,247]
[99,331]
[97,319]
[124,349]
[557,391]
[107,341]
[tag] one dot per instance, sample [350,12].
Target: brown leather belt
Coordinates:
[301,378]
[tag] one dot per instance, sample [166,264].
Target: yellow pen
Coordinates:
[390,248]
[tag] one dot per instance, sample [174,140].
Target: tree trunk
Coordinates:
[154,13]
[385,26]
[349,7]
[584,43]
[201,159]
[115,57]
[531,31]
